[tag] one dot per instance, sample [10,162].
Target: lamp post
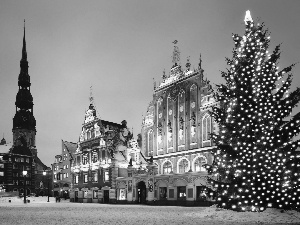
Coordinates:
[24,174]
[45,173]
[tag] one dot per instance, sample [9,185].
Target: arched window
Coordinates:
[206,128]
[150,143]
[183,166]
[167,167]
[199,162]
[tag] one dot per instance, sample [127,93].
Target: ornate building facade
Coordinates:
[99,159]
[176,138]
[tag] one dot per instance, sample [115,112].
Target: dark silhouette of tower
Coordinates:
[24,124]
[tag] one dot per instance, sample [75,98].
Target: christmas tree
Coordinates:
[256,163]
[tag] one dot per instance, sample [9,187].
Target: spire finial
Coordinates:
[176,54]
[200,62]
[188,64]
[91,98]
[248,17]
[164,75]
[154,84]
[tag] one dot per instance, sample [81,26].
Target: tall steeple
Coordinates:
[24,123]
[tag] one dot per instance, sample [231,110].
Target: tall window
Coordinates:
[183,166]
[95,157]
[199,162]
[95,177]
[150,143]
[106,176]
[85,159]
[167,167]
[85,178]
[76,179]
[206,128]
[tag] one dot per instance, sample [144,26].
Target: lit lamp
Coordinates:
[44,174]
[24,174]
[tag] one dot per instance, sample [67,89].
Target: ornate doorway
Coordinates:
[141,189]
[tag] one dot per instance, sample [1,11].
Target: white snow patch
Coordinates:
[270,215]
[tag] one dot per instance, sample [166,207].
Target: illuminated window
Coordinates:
[122,194]
[95,194]
[85,159]
[1,165]
[76,179]
[167,167]
[95,157]
[206,128]
[199,162]
[95,177]
[106,176]
[183,166]
[85,178]
[181,192]
[150,143]
[1,173]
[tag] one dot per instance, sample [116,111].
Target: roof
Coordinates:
[5,148]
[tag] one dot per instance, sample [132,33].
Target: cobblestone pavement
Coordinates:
[77,213]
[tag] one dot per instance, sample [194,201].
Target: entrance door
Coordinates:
[106,196]
[76,196]
[141,187]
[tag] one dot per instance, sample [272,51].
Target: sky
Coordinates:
[118,47]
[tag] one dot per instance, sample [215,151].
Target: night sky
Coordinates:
[118,47]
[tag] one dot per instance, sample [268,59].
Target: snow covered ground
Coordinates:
[39,211]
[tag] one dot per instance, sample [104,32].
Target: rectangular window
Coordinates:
[95,177]
[95,194]
[1,165]
[27,168]
[15,166]
[95,157]
[181,192]
[64,167]
[76,179]
[17,159]
[67,166]
[15,182]
[15,174]
[122,194]
[85,178]
[27,160]
[106,176]
[85,194]
[67,175]
[22,159]
[54,176]
[28,182]
[1,157]
[1,174]
[85,159]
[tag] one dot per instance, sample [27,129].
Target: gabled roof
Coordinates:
[70,147]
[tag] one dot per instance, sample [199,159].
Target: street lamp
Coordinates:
[24,174]
[45,173]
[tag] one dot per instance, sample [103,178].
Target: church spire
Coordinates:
[24,118]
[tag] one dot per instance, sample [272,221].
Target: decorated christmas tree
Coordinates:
[256,163]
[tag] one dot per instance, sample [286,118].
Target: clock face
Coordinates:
[24,118]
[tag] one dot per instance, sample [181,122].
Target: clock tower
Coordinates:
[24,124]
